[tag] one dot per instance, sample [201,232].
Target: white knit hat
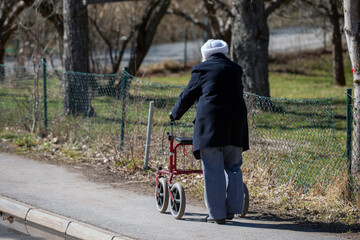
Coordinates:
[213,46]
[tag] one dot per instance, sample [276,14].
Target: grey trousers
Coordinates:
[224,190]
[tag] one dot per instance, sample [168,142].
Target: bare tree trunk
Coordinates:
[352,32]
[249,45]
[214,25]
[76,57]
[2,61]
[337,51]
[146,30]
[4,37]
[243,48]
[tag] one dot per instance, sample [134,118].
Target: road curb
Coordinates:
[55,222]
[14,208]
[48,220]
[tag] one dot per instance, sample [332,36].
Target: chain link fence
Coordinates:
[20,97]
[293,140]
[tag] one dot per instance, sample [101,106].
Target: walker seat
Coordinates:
[184,140]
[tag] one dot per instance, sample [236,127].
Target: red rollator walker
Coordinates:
[165,190]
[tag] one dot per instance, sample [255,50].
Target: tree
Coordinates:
[51,12]
[250,42]
[48,9]
[110,31]
[243,25]
[352,33]
[76,57]
[337,51]
[330,9]
[145,32]
[219,14]
[9,10]
[220,19]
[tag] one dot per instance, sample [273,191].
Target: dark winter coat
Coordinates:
[221,117]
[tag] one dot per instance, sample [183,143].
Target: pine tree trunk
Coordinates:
[76,58]
[352,32]
[250,45]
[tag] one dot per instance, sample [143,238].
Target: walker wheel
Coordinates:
[162,195]
[246,202]
[178,205]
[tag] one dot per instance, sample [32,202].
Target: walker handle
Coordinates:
[172,122]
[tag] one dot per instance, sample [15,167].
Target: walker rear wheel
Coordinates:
[162,195]
[178,205]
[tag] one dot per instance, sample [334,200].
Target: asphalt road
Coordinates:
[65,191]
[284,40]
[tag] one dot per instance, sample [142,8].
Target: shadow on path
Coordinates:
[271,221]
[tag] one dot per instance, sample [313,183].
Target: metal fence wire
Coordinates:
[293,140]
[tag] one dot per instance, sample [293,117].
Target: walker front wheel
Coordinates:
[162,195]
[179,202]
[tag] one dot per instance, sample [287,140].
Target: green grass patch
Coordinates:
[25,141]
[181,80]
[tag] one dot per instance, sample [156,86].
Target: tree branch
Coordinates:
[18,8]
[319,5]
[102,35]
[214,21]
[47,10]
[275,4]
[186,16]
[225,8]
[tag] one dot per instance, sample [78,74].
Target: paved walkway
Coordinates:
[64,191]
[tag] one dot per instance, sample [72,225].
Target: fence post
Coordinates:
[148,136]
[124,78]
[45,93]
[348,139]
[185,46]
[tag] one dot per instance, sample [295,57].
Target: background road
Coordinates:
[284,40]
[65,191]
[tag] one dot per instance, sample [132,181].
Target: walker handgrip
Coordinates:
[172,122]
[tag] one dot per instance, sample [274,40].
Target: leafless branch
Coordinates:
[320,6]
[225,8]
[187,16]
[275,4]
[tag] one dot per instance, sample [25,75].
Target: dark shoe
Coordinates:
[218,221]
[230,217]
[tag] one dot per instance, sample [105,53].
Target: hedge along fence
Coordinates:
[294,140]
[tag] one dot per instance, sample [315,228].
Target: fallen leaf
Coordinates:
[10,219]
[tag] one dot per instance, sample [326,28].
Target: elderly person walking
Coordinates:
[221,128]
